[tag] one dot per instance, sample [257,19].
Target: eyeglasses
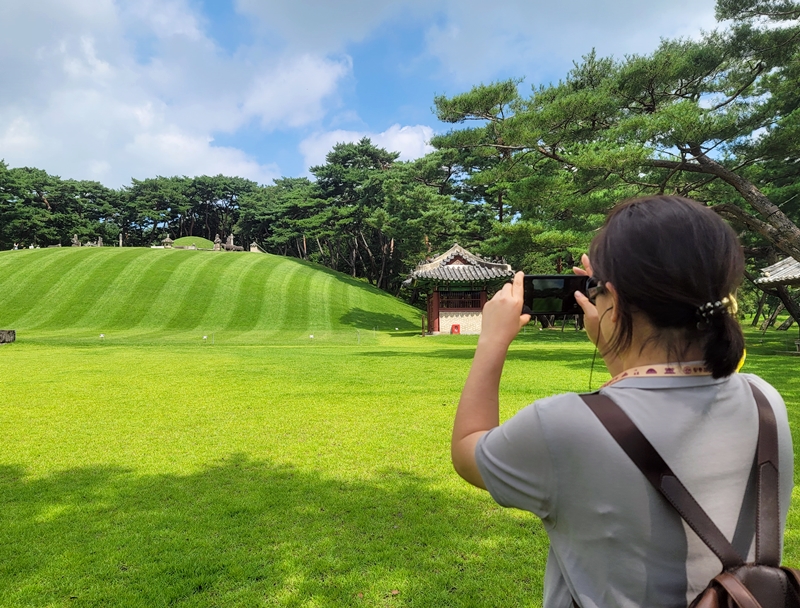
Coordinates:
[594,287]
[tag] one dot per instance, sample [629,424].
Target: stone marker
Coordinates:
[7,335]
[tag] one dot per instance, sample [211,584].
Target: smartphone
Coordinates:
[552,294]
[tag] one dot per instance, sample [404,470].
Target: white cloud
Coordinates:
[110,89]
[410,142]
[164,18]
[18,138]
[88,135]
[475,41]
[531,38]
[325,26]
[170,152]
[292,93]
[79,101]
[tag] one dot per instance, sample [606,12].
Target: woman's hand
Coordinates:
[591,318]
[502,315]
[478,409]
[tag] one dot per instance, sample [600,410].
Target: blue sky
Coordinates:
[113,90]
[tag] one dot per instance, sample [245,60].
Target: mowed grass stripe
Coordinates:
[138,298]
[296,307]
[176,287]
[205,282]
[251,292]
[75,300]
[105,308]
[359,306]
[26,278]
[231,288]
[319,301]
[47,291]
[13,263]
[278,296]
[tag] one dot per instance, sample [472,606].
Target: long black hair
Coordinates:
[668,256]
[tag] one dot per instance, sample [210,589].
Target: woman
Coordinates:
[665,270]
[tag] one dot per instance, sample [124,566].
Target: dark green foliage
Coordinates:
[715,119]
[366,214]
[40,209]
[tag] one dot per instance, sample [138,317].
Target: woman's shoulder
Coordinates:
[552,415]
[770,392]
[562,404]
[559,416]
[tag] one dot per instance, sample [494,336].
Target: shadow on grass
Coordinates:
[576,359]
[248,533]
[366,319]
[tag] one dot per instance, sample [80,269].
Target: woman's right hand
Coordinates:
[502,316]
[591,319]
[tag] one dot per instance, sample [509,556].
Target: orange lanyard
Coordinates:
[660,370]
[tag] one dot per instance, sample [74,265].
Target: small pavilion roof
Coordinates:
[457,265]
[785,272]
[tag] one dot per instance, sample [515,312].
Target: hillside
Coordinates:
[197,241]
[180,294]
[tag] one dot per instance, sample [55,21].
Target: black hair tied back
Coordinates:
[679,263]
[724,342]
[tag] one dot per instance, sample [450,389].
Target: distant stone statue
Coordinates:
[99,241]
[229,246]
[75,241]
[217,243]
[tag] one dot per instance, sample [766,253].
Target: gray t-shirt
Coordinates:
[614,540]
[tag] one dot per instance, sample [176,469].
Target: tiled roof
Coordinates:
[785,272]
[457,265]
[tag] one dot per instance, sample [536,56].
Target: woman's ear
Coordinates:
[612,291]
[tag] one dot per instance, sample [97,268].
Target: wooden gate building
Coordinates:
[458,283]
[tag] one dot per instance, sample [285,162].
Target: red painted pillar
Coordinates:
[433,322]
[483,298]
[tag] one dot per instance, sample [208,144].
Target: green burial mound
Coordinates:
[197,241]
[166,291]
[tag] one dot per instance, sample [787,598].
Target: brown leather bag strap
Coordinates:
[737,592]
[658,473]
[794,578]
[768,544]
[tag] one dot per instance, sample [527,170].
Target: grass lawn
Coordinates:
[298,473]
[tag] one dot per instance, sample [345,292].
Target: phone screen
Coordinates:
[552,294]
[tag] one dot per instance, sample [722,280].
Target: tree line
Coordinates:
[365,213]
[525,177]
[715,119]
